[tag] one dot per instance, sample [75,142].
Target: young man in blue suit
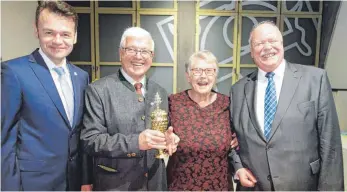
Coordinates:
[42,98]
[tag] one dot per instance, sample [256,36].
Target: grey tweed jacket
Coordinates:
[114,117]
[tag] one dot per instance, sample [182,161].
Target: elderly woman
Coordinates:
[201,118]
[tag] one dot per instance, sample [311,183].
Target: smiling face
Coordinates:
[267,47]
[56,35]
[203,83]
[136,65]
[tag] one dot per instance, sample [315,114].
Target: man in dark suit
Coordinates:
[285,120]
[117,122]
[42,98]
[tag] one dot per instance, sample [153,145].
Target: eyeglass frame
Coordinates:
[141,51]
[201,71]
[263,43]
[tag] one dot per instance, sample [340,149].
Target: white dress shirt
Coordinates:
[132,81]
[261,87]
[55,77]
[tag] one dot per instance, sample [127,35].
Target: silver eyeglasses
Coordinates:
[263,43]
[199,71]
[143,52]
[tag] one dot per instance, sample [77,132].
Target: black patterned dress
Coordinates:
[200,162]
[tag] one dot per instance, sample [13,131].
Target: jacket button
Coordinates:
[267,148]
[140,99]
[143,117]
[133,154]
[129,155]
[269,177]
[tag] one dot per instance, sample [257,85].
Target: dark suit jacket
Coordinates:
[113,120]
[304,150]
[39,148]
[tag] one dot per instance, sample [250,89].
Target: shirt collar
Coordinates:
[131,80]
[50,63]
[279,71]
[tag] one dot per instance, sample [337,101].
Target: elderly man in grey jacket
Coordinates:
[117,122]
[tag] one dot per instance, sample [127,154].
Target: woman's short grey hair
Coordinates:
[203,55]
[135,32]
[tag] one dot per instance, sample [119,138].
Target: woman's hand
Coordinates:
[234,143]
[172,140]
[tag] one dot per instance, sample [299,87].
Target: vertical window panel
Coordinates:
[111,28]
[300,36]
[115,4]
[106,70]
[161,27]
[157,4]
[260,5]
[224,80]
[301,6]
[82,49]
[217,5]
[217,35]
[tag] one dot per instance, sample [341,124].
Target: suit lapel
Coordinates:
[249,94]
[44,76]
[76,90]
[291,80]
[122,79]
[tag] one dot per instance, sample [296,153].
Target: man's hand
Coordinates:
[86,187]
[172,140]
[152,139]
[246,177]
[234,143]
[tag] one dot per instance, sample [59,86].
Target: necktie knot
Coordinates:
[59,70]
[270,75]
[138,87]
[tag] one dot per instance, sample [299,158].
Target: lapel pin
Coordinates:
[75,73]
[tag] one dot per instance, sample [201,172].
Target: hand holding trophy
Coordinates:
[159,122]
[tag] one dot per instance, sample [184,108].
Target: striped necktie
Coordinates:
[270,104]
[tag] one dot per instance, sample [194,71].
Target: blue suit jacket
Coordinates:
[39,148]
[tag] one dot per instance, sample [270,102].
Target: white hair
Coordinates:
[135,32]
[204,55]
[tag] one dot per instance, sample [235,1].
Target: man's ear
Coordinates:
[36,31]
[75,40]
[251,52]
[120,53]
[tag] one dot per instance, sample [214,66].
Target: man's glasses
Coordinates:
[262,44]
[199,71]
[132,52]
